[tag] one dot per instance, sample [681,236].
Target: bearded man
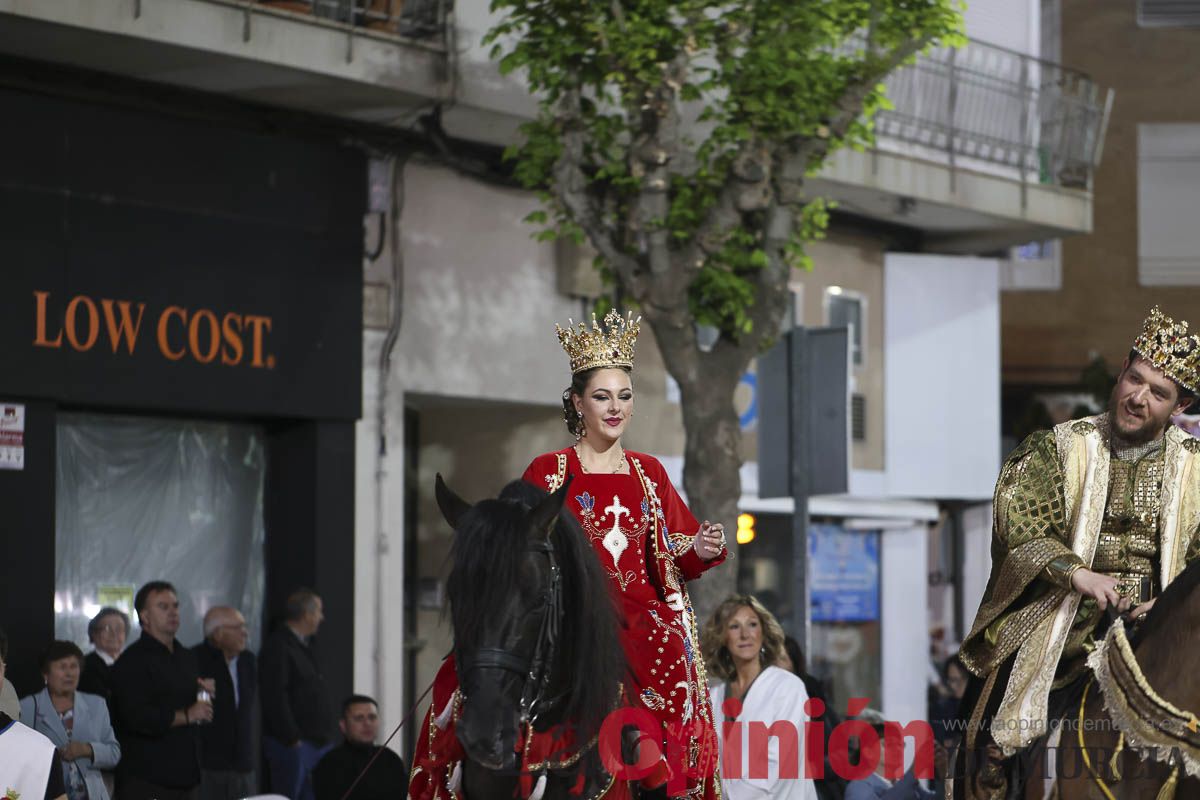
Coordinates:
[1097,513]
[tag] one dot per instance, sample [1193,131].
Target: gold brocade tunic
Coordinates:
[1127,549]
[1032,561]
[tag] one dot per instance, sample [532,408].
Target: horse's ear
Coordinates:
[453,507]
[545,514]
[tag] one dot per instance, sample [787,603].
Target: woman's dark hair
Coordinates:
[955,662]
[579,382]
[60,649]
[96,621]
[796,654]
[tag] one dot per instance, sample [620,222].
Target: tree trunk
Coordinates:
[712,459]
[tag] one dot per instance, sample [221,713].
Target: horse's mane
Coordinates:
[489,545]
[1167,606]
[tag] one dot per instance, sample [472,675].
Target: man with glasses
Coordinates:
[227,753]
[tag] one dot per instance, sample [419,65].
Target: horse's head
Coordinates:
[506,605]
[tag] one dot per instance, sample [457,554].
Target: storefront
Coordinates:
[180,369]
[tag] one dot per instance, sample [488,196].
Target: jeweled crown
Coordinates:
[608,346]
[1167,345]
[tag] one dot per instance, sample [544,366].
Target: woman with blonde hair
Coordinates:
[742,643]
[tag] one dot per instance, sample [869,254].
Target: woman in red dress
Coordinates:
[649,545]
[647,540]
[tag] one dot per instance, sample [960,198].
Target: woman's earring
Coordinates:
[581,431]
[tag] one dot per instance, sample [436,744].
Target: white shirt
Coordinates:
[776,695]
[232,665]
[25,760]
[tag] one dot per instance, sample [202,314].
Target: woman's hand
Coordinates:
[74,750]
[709,541]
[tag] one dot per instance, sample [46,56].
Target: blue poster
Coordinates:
[844,574]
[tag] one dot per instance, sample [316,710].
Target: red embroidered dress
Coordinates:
[642,533]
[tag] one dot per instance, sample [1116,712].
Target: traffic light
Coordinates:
[745,531]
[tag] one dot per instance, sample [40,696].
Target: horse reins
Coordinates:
[535,671]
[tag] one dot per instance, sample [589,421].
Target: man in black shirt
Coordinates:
[29,763]
[227,751]
[297,715]
[156,694]
[386,779]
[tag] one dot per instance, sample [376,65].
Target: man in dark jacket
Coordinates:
[155,693]
[227,750]
[297,715]
[387,779]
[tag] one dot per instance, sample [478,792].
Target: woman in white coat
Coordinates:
[76,722]
[742,644]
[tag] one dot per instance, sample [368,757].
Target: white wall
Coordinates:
[1015,24]
[479,303]
[942,377]
[977,559]
[903,601]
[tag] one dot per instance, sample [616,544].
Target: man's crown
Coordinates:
[610,346]
[1166,344]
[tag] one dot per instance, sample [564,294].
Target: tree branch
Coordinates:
[571,188]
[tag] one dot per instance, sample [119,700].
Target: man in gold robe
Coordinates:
[1097,513]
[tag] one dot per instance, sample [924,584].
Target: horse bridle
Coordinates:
[534,671]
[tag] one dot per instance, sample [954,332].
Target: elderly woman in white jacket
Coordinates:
[76,722]
[742,643]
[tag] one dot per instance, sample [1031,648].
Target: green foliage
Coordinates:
[748,76]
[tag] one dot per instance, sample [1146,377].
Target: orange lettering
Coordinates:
[39,338]
[126,329]
[93,323]
[163,344]
[258,323]
[214,337]
[233,339]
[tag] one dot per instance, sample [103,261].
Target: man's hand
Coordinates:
[209,685]
[74,750]
[199,712]
[1103,588]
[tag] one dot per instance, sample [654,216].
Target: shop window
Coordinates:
[142,499]
[843,569]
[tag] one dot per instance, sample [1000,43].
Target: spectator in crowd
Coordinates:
[158,696]
[107,632]
[950,694]
[76,722]
[386,779]
[29,763]
[742,644]
[878,787]
[9,703]
[830,786]
[297,715]
[227,751]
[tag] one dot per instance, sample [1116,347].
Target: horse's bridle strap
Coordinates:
[495,658]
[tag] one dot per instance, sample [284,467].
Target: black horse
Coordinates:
[535,637]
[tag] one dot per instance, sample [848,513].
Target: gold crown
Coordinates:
[611,346]
[1166,344]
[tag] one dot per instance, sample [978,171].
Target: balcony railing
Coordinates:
[983,106]
[409,19]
